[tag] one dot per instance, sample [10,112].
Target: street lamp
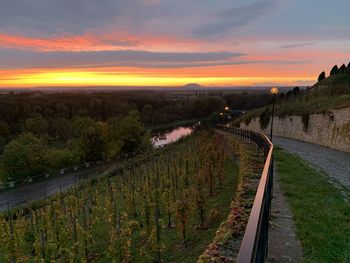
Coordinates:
[274,91]
[227,108]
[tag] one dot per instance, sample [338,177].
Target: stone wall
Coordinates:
[331,129]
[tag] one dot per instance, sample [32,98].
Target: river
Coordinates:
[169,136]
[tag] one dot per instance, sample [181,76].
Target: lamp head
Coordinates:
[274,90]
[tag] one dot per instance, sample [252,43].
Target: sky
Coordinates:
[171,42]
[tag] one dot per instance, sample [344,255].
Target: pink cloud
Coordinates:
[96,42]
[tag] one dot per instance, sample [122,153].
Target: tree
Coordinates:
[24,156]
[322,76]
[61,128]
[133,133]
[59,158]
[37,126]
[334,70]
[203,107]
[281,96]
[342,69]
[112,138]
[296,91]
[4,175]
[88,134]
[147,114]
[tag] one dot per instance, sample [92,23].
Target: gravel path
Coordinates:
[335,164]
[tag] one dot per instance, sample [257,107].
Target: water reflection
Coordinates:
[164,138]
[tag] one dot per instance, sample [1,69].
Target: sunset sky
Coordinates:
[170,42]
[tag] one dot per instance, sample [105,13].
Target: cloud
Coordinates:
[13,58]
[297,45]
[235,17]
[95,42]
[57,17]
[288,83]
[24,59]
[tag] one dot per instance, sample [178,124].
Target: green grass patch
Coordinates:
[321,213]
[302,106]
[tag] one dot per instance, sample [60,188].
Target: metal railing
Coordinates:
[57,172]
[254,245]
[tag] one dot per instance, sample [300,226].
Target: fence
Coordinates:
[254,245]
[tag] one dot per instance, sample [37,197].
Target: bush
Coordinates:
[305,118]
[322,76]
[265,119]
[214,214]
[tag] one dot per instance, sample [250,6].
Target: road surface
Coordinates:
[48,187]
[335,164]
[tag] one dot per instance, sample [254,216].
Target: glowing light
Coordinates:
[124,77]
[274,90]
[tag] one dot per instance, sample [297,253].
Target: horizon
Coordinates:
[187,88]
[164,43]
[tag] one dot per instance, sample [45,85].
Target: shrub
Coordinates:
[214,214]
[334,70]
[305,118]
[321,76]
[264,119]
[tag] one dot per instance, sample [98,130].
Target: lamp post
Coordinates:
[274,91]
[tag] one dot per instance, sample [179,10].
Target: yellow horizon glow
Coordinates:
[96,78]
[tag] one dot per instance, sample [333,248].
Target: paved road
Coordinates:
[334,163]
[43,189]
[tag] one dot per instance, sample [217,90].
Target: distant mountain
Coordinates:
[193,86]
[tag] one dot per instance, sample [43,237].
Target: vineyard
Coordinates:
[165,208]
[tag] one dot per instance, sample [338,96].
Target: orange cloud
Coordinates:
[97,42]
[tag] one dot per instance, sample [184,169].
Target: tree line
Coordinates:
[41,132]
[334,71]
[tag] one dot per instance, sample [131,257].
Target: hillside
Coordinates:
[333,85]
[332,92]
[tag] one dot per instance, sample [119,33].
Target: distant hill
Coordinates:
[193,86]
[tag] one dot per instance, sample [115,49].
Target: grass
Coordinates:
[336,84]
[321,213]
[300,107]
